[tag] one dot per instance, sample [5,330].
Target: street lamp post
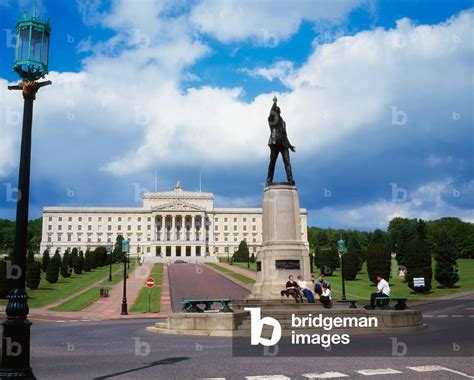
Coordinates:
[31,64]
[125,250]
[341,248]
[110,249]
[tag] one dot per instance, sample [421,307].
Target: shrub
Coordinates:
[87,262]
[417,260]
[378,261]
[446,269]
[351,262]
[52,272]
[45,261]
[33,274]
[66,268]
[78,263]
[242,254]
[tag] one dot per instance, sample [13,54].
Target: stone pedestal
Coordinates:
[283,251]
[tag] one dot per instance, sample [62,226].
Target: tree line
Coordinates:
[52,266]
[414,242]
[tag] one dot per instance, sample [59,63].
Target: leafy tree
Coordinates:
[33,272]
[401,230]
[252,258]
[117,253]
[101,256]
[351,262]
[94,259]
[78,263]
[52,272]
[46,259]
[317,257]
[418,264]
[335,260]
[353,244]
[87,262]
[378,261]
[446,269]
[326,263]
[242,253]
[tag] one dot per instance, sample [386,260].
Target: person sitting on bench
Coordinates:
[383,291]
[305,290]
[292,289]
[318,284]
[325,296]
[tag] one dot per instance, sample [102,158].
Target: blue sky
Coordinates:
[377,96]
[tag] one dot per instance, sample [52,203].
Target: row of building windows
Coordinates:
[216,219]
[139,219]
[99,219]
[244,227]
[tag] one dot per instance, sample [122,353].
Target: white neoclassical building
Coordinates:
[170,225]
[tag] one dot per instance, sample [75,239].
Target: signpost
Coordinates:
[150,283]
[419,282]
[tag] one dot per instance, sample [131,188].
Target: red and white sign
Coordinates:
[150,283]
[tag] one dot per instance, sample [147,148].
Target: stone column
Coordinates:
[283,251]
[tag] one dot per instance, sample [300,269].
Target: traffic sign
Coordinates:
[150,283]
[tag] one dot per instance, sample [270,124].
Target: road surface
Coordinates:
[198,281]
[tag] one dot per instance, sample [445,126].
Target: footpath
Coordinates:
[109,308]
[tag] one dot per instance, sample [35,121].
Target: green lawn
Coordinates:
[237,276]
[48,293]
[88,297]
[81,301]
[253,266]
[362,287]
[141,303]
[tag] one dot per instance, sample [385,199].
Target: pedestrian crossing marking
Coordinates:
[270,377]
[380,371]
[432,368]
[324,375]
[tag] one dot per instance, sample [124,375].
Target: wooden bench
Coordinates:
[385,303]
[192,306]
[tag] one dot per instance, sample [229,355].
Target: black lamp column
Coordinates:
[125,250]
[16,328]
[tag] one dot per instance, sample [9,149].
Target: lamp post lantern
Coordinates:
[125,250]
[31,64]
[341,248]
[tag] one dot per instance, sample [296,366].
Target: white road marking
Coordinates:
[324,375]
[431,368]
[457,316]
[61,321]
[442,315]
[428,316]
[272,377]
[381,371]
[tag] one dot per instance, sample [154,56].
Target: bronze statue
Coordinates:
[278,143]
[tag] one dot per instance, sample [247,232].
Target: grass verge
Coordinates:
[237,276]
[141,303]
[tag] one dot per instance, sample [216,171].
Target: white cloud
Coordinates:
[267,22]
[129,98]
[427,202]
[279,70]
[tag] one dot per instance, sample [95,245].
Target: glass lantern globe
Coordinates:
[32,47]
[341,246]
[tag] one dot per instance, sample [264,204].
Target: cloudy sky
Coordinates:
[377,97]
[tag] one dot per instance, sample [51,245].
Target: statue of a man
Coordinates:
[278,143]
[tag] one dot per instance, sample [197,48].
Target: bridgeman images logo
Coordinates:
[256,328]
[319,322]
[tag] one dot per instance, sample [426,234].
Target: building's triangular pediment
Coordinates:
[177,206]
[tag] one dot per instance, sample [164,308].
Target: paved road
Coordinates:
[198,281]
[124,350]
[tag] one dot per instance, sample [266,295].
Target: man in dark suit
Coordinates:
[278,143]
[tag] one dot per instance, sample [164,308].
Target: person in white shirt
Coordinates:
[304,289]
[383,290]
[325,296]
